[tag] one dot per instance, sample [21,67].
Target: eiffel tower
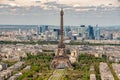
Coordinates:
[61,60]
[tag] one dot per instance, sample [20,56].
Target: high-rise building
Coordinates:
[69,34]
[39,29]
[19,31]
[97,33]
[67,29]
[57,33]
[111,36]
[91,32]
[42,29]
[79,32]
[46,28]
[84,32]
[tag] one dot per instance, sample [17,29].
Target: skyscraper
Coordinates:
[111,36]
[57,32]
[97,33]
[19,31]
[83,32]
[39,29]
[46,28]
[42,29]
[91,32]
[67,29]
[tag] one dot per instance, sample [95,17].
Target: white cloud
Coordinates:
[67,2]
[77,5]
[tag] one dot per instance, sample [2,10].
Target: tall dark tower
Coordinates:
[61,44]
[61,60]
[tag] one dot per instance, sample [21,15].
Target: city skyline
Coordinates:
[84,50]
[77,12]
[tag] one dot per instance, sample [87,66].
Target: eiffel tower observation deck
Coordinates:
[61,60]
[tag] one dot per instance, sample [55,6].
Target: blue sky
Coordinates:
[77,12]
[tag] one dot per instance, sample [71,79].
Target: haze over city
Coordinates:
[77,12]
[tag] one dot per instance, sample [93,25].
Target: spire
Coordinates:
[61,12]
[61,44]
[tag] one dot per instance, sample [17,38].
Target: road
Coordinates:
[57,74]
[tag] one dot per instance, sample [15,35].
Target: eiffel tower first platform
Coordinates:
[61,60]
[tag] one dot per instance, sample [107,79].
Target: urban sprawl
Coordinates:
[95,41]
